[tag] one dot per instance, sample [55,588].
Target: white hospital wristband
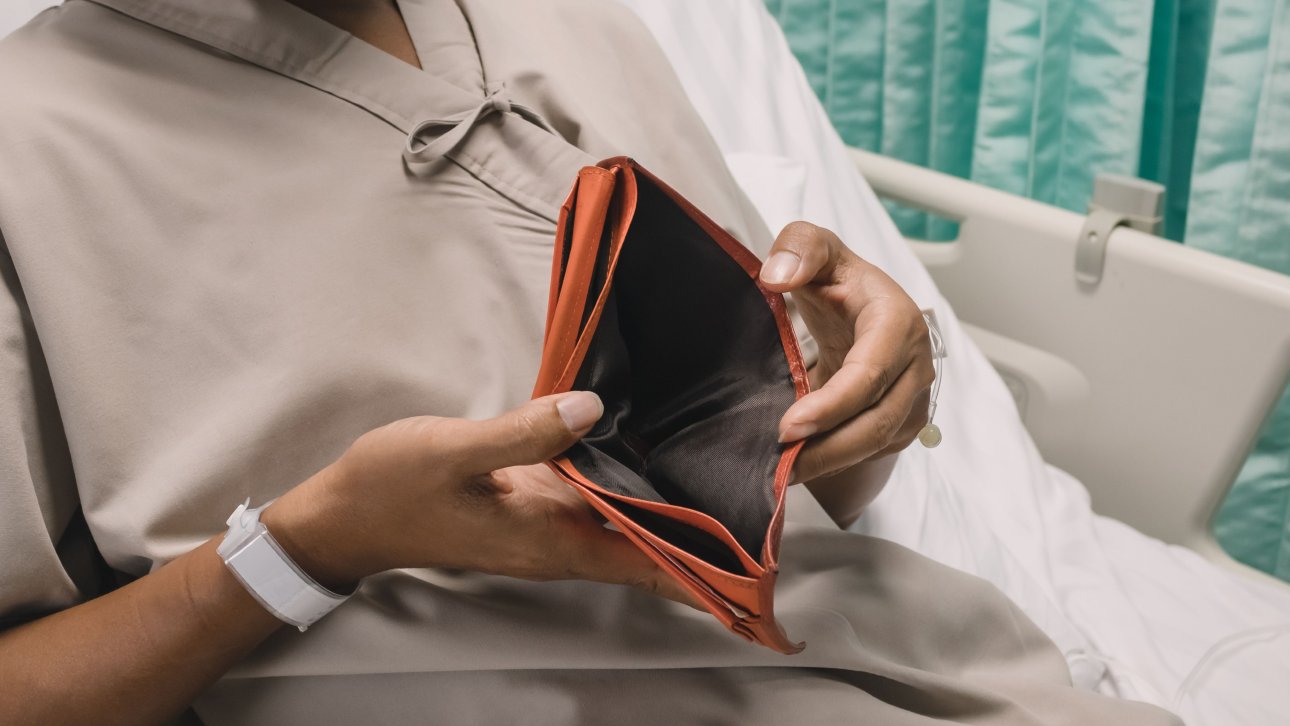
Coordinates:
[270,575]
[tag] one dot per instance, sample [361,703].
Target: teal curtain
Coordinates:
[1240,206]
[1037,97]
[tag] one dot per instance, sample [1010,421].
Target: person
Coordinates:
[298,253]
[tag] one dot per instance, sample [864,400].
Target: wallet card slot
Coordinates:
[683,571]
[750,569]
[684,537]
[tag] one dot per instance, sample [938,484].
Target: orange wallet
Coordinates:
[659,311]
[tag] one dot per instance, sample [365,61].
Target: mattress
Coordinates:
[1135,617]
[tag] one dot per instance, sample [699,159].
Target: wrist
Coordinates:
[315,533]
[846,494]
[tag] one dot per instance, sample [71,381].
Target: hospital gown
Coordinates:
[221,267]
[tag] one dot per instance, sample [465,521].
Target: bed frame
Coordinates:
[1150,385]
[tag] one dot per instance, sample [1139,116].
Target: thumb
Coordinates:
[529,434]
[802,253]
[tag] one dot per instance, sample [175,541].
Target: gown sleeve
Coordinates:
[43,538]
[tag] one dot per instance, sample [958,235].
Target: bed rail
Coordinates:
[1149,386]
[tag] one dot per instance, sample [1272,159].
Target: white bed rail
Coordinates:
[1150,386]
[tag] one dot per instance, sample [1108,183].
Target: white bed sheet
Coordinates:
[1134,616]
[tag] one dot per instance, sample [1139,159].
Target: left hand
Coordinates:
[874,375]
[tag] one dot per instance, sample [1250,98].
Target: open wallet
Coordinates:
[658,310]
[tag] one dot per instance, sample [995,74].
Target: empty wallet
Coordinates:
[659,311]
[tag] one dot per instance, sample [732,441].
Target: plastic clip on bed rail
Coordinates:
[1118,201]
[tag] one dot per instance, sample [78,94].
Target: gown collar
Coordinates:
[463,117]
[284,39]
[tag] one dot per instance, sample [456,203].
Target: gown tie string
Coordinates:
[419,151]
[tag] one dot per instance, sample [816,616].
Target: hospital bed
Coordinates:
[1161,373]
[1095,413]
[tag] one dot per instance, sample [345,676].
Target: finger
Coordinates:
[530,434]
[615,559]
[880,354]
[801,253]
[577,545]
[908,433]
[865,435]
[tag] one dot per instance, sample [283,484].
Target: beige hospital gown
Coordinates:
[219,270]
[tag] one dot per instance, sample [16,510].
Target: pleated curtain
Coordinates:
[1037,97]
[1240,206]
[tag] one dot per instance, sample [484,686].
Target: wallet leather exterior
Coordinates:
[604,198]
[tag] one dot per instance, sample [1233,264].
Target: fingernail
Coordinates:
[780,268]
[797,432]
[580,410]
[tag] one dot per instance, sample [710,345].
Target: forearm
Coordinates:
[419,492]
[138,655]
[845,495]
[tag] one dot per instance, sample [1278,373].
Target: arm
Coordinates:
[846,494]
[145,651]
[140,653]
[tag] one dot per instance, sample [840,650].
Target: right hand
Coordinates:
[465,495]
